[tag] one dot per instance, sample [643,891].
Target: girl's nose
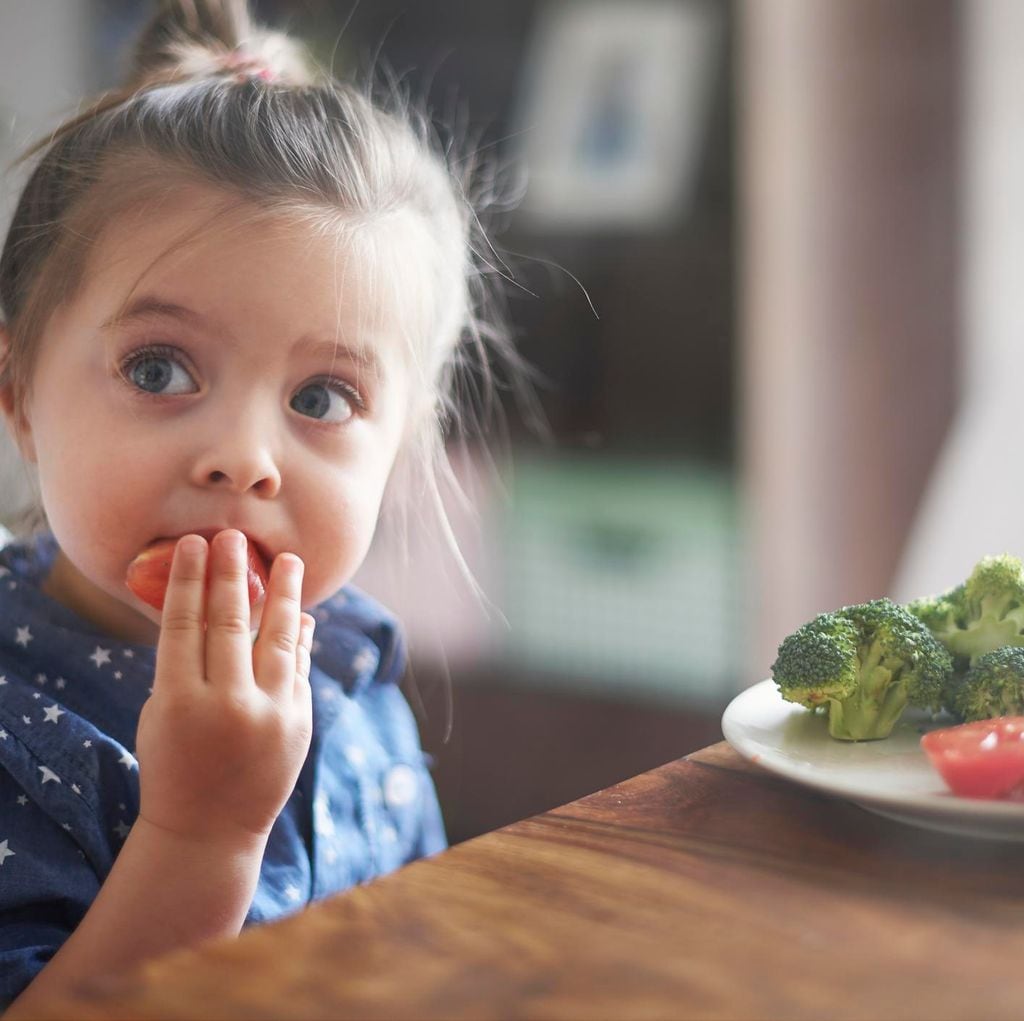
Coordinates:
[238,464]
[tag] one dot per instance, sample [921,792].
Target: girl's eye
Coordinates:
[327,401]
[157,370]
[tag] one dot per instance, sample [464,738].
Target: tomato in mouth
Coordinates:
[149,572]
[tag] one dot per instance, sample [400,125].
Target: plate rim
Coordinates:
[941,805]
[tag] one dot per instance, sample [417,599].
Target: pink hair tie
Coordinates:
[245,65]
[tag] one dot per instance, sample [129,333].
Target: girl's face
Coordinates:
[249,378]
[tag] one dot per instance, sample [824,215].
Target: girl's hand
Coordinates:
[222,739]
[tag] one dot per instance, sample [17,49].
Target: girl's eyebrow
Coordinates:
[149,307]
[363,357]
[152,307]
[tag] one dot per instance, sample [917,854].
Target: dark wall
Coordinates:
[653,370]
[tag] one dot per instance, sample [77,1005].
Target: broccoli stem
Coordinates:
[872,712]
[989,633]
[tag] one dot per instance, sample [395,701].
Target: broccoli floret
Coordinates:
[818,664]
[984,614]
[865,664]
[942,614]
[994,686]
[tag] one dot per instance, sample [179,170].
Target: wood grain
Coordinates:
[702,889]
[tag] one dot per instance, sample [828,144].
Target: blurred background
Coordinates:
[762,266]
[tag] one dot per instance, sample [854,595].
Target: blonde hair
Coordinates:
[214,98]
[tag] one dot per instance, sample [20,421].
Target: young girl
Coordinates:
[232,298]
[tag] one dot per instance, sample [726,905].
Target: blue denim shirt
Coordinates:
[70,699]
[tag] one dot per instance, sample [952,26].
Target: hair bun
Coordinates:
[189,39]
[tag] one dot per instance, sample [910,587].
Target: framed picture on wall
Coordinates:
[614,101]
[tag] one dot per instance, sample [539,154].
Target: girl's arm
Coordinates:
[220,745]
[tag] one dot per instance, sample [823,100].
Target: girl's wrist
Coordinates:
[229,844]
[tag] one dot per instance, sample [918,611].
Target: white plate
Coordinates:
[891,777]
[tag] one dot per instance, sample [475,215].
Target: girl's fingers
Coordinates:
[275,654]
[304,653]
[179,653]
[228,638]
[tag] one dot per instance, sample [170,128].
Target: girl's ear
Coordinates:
[15,417]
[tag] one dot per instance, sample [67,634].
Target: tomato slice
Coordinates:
[150,571]
[984,759]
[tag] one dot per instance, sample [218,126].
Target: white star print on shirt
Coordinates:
[100,656]
[24,636]
[128,760]
[292,892]
[52,712]
[22,799]
[48,775]
[5,851]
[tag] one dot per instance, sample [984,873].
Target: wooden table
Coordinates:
[703,889]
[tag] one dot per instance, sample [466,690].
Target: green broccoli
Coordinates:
[984,614]
[994,686]
[865,664]
[940,614]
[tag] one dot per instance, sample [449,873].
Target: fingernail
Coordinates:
[293,565]
[192,545]
[233,542]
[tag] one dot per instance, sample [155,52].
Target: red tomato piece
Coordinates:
[150,571]
[984,759]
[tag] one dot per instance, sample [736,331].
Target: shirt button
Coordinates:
[323,822]
[400,786]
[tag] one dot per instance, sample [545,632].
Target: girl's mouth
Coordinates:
[264,557]
[148,574]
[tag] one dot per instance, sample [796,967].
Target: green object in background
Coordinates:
[626,577]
